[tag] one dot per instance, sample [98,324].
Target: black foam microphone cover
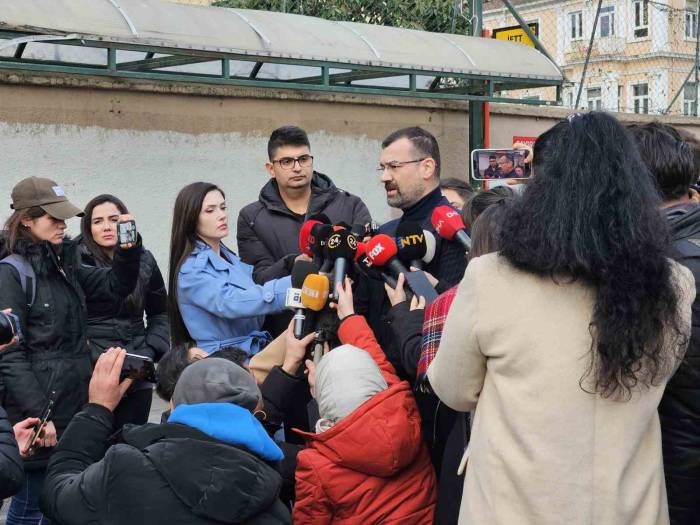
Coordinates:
[320,234]
[410,242]
[341,245]
[300,270]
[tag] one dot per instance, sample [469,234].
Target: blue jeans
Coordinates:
[24,508]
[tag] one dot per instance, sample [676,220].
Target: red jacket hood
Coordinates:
[380,437]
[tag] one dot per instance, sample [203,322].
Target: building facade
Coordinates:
[642,51]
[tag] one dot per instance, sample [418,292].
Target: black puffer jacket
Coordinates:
[268,232]
[11,471]
[680,406]
[54,355]
[120,322]
[167,473]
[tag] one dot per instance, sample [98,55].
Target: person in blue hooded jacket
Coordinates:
[212,298]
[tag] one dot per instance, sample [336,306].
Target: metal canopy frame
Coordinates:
[446,85]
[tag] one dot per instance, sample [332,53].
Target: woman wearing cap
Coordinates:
[43,281]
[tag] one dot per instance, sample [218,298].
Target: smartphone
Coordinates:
[139,368]
[43,421]
[494,164]
[126,232]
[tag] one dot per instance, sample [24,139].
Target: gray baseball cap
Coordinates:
[216,380]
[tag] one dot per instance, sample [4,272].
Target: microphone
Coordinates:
[430,246]
[305,237]
[365,266]
[341,247]
[449,225]
[314,292]
[382,250]
[317,244]
[301,270]
[411,245]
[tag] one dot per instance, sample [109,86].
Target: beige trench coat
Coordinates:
[543,451]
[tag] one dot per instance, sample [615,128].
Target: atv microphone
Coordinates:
[301,270]
[449,225]
[411,245]
[314,292]
[341,248]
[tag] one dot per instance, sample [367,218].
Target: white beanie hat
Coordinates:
[346,377]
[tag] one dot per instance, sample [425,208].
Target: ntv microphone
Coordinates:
[341,248]
[449,225]
[299,273]
[411,244]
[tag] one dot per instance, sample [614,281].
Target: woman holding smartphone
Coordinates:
[119,322]
[53,356]
[212,297]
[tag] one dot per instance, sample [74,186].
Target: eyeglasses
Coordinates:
[287,163]
[395,164]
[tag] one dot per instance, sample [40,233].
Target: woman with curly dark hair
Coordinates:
[563,342]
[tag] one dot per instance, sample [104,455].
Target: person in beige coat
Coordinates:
[563,342]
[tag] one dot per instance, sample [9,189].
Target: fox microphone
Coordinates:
[449,225]
[382,250]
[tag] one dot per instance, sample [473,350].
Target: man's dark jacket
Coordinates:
[169,473]
[268,232]
[680,406]
[11,471]
[54,354]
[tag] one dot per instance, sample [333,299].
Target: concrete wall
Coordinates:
[143,142]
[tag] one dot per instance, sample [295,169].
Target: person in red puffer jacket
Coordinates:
[367,462]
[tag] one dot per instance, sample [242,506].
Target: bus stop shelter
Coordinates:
[160,41]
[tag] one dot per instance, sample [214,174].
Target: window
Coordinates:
[606,23]
[690,101]
[691,24]
[619,98]
[570,98]
[640,98]
[576,20]
[640,10]
[595,99]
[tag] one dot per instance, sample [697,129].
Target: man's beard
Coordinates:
[405,199]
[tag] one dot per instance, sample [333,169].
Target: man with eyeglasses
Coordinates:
[409,169]
[268,229]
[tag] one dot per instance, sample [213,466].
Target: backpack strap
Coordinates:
[27,276]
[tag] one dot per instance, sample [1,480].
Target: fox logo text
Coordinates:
[376,251]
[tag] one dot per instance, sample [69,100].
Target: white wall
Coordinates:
[146,169]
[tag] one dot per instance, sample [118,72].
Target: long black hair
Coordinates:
[183,238]
[590,213]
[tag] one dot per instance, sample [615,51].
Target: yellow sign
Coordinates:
[517,34]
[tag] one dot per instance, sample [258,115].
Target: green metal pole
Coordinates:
[476,109]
